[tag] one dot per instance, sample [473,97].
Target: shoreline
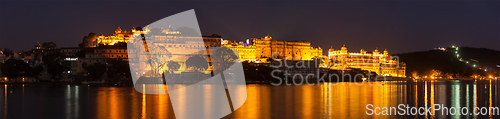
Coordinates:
[247,83]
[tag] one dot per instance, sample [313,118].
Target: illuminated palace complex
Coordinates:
[118,36]
[180,48]
[123,36]
[381,63]
[172,47]
[260,49]
[175,45]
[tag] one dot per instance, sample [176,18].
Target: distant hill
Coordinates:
[447,61]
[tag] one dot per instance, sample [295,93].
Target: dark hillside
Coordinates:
[448,62]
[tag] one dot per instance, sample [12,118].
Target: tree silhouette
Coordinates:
[173,66]
[13,68]
[49,45]
[96,71]
[118,69]
[223,58]
[159,56]
[55,64]
[37,70]
[87,39]
[197,62]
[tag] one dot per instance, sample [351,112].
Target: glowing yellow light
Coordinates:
[113,42]
[491,76]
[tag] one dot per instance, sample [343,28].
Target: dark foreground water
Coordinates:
[327,100]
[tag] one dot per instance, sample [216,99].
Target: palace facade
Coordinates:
[260,49]
[165,44]
[169,47]
[179,48]
[381,63]
[123,36]
[118,36]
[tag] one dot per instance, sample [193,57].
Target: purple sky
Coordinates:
[398,26]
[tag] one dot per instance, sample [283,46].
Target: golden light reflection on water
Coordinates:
[124,102]
[326,100]
[307,101]
[208,95]
[256,102]
[345,100]
[475,96]
[432,98]
[491,102]
[143,114]
[5,102]
[416,96]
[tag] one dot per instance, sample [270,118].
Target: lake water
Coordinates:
[326,100]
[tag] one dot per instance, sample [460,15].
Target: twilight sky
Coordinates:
[398,26]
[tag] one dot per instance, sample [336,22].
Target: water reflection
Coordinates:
[326,100]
